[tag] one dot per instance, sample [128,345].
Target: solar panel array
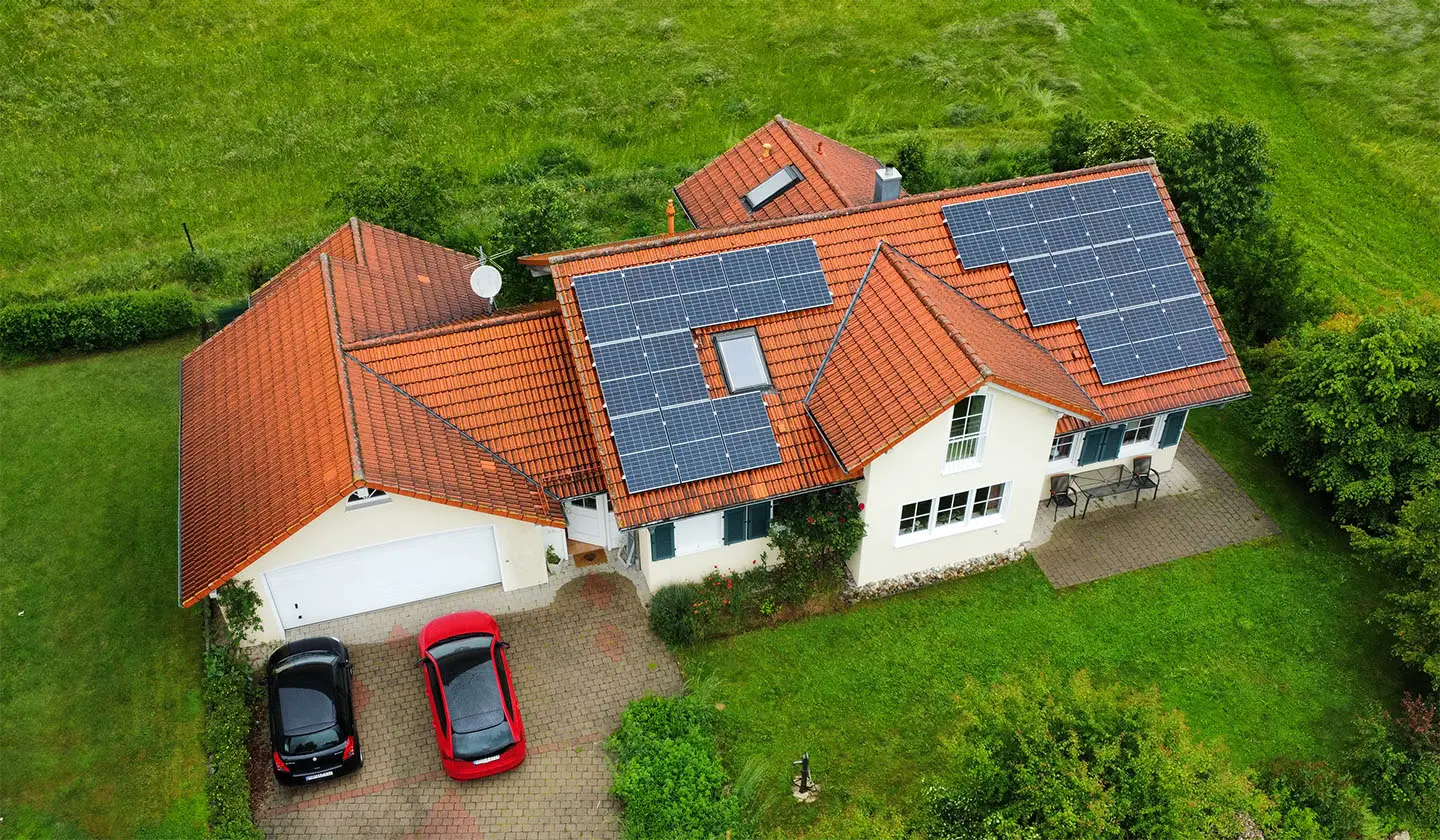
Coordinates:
[638,320]
[1104,253]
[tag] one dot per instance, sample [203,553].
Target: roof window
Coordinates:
[742,361]
[771,188]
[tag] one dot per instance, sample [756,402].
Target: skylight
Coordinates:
[771,188]
[742,361]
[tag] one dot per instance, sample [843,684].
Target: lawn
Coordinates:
[120,120]
[1264,646]
[100,711]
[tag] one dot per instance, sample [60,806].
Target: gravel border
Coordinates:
[917,580]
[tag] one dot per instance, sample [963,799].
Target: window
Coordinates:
[915,517]
[1138,431]
[965,434]
[951,508]
[587,502]
[751,522]
[662,541]
[365,497]
[1062,447]
[987,501]
[952,512]
[742,361]
[771,188]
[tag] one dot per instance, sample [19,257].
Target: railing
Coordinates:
[964,448]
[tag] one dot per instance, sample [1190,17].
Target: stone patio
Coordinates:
[576,660]
[1199,509]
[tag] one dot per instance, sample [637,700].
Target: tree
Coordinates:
[1221,180]
[1066,760]
[1069,141]
[1260,284]
[1411,549]
[912,158]
[1356,412]
[416,198]
[543,219]
[1114,141]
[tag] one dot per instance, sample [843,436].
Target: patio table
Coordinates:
[1101,484]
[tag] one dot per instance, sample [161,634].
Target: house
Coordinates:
[370,433]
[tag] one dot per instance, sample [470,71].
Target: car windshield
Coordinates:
[472,691]
[304,695]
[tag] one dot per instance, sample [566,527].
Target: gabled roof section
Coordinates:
[795,343]
[834,174]
[279,422]
[507,380]
[911,347]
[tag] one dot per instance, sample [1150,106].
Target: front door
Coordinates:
[585,519]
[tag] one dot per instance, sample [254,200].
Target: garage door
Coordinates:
[384,575]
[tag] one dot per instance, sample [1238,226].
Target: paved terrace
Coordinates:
[1199,509]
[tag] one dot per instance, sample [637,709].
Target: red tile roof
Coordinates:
[911,347]
[282,417]
[795,343]
[835,176]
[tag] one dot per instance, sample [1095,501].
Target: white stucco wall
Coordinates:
[695,565]
[1018,432]
[521,545]
[1161,459]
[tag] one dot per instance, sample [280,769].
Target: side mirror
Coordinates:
[419,662]
[504,645]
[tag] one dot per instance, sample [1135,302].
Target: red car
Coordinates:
[472,701]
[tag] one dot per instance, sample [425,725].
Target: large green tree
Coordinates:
[1411,549]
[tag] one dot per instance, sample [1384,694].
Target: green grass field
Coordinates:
[100,711]
[1264,646]
[121,119]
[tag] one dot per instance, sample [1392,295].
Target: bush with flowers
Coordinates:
[811,536]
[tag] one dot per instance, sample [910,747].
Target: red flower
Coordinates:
[810,519]
[862,505]
[842,519]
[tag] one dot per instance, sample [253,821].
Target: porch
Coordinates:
[1195,508]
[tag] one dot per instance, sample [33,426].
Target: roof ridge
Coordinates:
[819,167]
[524,312]
[332,314]
[950,329]
[359,241]
[428,410]
[627,246]
[425,242]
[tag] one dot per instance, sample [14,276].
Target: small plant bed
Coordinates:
[811,536]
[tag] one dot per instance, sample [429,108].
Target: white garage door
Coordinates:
[384,575]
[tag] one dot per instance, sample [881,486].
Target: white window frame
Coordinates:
[976,438]
[366,497]
[1068,440]
[1140,445]
[750,334]
[970,522]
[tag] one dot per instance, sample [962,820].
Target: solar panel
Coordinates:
[639,321]
[1105,252]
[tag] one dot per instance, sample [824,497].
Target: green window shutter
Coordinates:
[759,521]
[735,525]
[1174,424]
[1091,448]
[662,541]
[1114,437]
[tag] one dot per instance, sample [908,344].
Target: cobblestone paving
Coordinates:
[576,663]
[1209,512]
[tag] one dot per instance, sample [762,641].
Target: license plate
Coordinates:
[486,760]
[327,774]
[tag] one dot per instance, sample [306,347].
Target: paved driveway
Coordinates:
[576,664]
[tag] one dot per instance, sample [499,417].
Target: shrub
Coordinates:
[543,218]
[1065,759]
[668,772]
[818,532]
[1355,410]
[197,270]
[1260,285]
[1410,549]
[1398,758]
[95,322]
[1337,804]
[415,198]
[1222,175]
[1139,137]
[228,687]
[241,605]
[672,614]
[1069,140]
[912,158]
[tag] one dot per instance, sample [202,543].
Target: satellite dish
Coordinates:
[485,281]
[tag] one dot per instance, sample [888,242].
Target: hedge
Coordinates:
[229,687]
[94,322]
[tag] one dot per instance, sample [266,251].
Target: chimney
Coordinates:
[670,216]
[766,147]
[887,184]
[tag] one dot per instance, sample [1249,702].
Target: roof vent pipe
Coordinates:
[887,184]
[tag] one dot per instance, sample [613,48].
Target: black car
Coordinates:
[312,719]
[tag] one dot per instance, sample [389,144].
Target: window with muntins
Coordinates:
[742,361]
[952,512]
[1062,447]
[965,429]
[1138,431]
